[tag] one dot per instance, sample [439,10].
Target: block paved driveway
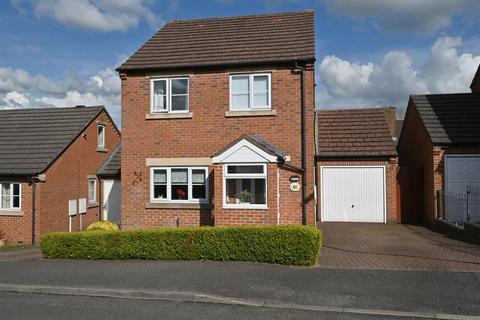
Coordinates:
[394,247]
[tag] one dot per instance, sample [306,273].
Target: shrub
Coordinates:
[103,226]
[291,245]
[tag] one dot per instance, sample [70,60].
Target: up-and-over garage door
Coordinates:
[353,194]
[461,171]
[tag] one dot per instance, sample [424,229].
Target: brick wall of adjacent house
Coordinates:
[415,150]
[207,132]
[66,179]
[391,169]
[18,228]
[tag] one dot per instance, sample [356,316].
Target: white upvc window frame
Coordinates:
[168,85]
[101,144]
[94,200]
[190,183]
[227,175]
[251,91]
[11,207]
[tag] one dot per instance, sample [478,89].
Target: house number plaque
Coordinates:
[295,186]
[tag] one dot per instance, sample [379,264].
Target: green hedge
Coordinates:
[291,245]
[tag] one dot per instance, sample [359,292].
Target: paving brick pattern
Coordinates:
[394,247]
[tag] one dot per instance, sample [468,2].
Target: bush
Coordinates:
[291,245]
[103,226]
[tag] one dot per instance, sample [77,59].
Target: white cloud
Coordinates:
[408,15]
[95,15]
[19,89]
[348,84]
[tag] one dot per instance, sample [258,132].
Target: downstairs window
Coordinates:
[176,184]
[245,186]
[10,196]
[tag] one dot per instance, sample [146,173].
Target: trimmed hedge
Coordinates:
[290,245]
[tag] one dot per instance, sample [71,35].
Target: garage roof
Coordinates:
[354,133]
[31,139]
[111,166]
[450,118]
[255,39]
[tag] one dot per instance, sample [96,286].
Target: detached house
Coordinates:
[218,123]
[48,164]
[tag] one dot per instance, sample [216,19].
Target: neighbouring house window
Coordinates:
[250,91]
[245,186]
[10,196]
[169,95]
[101,136]
[92,191]
[179,184]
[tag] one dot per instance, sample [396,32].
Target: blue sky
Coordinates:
[369,52]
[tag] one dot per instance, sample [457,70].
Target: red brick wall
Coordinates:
[66,179]
[208,131]
[415,150]
[19,228]
[391,169]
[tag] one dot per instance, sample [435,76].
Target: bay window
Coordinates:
[179,184]
[169,95]
[245,186]
[250,92]
[10,196]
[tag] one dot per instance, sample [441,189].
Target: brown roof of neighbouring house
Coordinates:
[242,40]
[354,133]
[398,129]
[31,139]
[450,118]
[111,166]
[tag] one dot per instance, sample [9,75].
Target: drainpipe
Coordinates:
[304,141]
[33,210]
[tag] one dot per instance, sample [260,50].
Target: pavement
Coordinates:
[20,254]
[365,272]
[394,247]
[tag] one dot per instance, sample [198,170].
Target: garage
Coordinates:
[357,166]
[461,171]
[353,194]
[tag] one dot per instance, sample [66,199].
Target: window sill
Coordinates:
[251,113]
[92,205]
[245,207]
[179,115]
[11,213]
[102,150]
[188,206]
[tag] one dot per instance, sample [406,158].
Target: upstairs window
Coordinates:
[250,92]
[169,95]
[101,136]
[10,196]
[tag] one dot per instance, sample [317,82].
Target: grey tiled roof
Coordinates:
[31,139]
[263,38]
[450,118]
[111,166]
[354,133]
[257,141]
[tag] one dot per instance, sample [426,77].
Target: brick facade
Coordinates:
[206,132]
[66,178]
[391,169]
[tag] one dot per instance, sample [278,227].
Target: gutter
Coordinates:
[304,140]
[33,210]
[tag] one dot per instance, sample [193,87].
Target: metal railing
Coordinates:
[458,206]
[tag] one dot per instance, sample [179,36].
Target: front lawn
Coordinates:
[15,246]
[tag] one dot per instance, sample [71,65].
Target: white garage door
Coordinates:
[353,194]
[461,171]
